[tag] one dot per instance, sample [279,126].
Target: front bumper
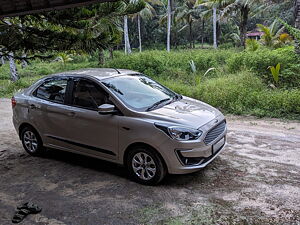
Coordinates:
[183,169]
[188,157]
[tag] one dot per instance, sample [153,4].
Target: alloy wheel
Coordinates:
[30,141]
[143,166]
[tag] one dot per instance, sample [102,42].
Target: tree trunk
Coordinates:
[2,61]
[175,39]
[202,38]
[126,36]
[13,69]
[243,26]
[111,53]
[101,57]
[24,63]
[169,12]
[215,27]
[191,34]
[297,24]
[218,32]
[139,30]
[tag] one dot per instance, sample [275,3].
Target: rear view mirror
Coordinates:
[107,109]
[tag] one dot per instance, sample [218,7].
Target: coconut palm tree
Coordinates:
[214,7]
[245,9]
[169,16]
[126,36]
[215,26]
[297,14]
[147,13]
[163,19]
[297,23]
[189,13]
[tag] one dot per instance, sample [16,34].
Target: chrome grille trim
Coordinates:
[215,132]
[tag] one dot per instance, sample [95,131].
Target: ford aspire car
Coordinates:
[120,116]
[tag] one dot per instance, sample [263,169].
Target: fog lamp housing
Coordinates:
[189,161]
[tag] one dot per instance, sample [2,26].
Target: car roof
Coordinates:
[99,73]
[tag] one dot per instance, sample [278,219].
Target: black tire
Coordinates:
[160,168]
[34,146]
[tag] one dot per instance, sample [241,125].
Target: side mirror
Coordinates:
[107,109]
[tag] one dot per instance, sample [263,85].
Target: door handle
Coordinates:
[72,114]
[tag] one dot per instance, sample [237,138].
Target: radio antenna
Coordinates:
[117,70]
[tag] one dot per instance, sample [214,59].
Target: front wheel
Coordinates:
[31,141]
[145,166]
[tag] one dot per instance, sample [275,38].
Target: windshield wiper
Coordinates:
[156,104]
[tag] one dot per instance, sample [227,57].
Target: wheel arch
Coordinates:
[142,144]
[23,125]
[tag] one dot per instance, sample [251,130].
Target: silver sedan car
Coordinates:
[121,116]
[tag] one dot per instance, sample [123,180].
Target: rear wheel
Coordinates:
[145,166]
[31,141]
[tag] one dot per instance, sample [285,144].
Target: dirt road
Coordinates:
[256,180]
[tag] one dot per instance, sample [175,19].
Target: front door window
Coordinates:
[88,94]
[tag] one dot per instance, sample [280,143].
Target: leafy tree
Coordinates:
[245,9]
[83,28]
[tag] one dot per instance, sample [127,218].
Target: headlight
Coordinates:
[180,133]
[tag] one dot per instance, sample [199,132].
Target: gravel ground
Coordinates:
[256,180]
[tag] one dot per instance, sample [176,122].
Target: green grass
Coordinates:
[239,84]
[243,94]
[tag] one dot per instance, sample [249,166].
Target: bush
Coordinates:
[157,62]
[252,45]
[259,61]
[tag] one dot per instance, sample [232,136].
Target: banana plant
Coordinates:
[64,58]
[275,70]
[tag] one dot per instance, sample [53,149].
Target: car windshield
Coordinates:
[140,92]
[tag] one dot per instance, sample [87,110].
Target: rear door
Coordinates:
[47,109]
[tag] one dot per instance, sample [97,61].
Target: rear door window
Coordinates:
[53,90]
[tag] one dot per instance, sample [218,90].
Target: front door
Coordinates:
[87,130]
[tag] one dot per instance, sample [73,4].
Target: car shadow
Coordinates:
[86,162]
[116,169]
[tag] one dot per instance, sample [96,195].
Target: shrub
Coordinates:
[259,61]
[161,60]
[252,45]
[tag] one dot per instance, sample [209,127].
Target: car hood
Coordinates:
[188,112]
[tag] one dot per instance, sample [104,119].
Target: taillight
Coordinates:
[13,102]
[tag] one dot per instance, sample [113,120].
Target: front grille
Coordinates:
[215,132]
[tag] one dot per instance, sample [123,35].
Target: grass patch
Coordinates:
[242,94]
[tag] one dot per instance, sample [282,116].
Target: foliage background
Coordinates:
[241,82]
